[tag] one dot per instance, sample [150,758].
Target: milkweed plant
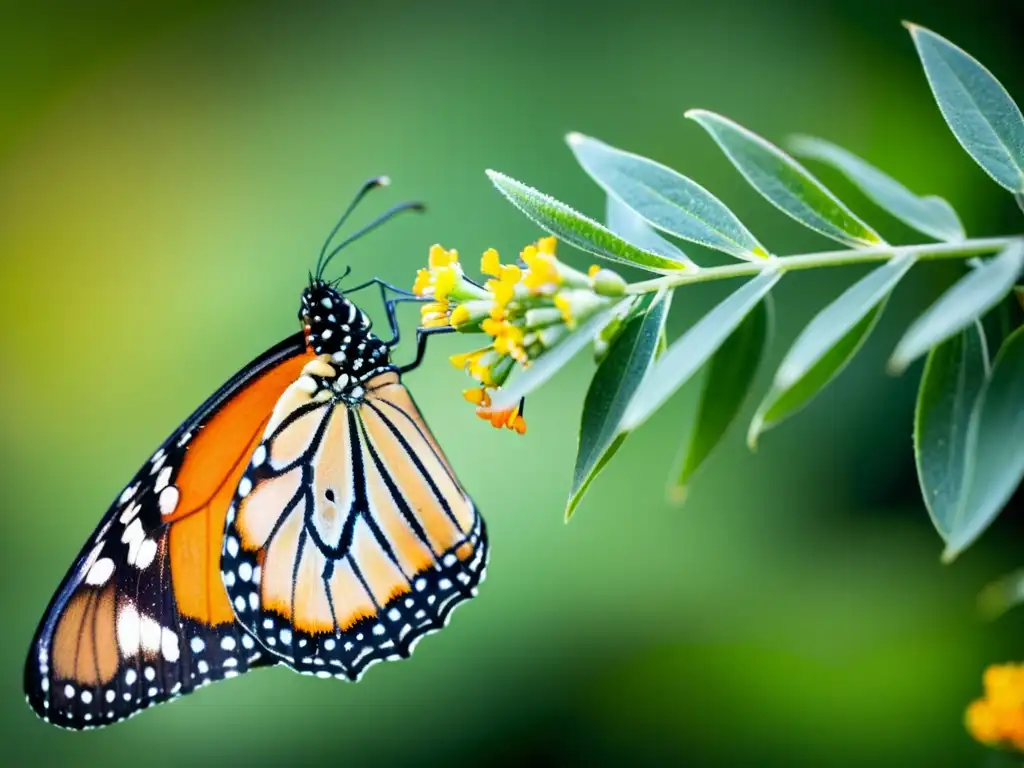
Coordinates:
[536,313]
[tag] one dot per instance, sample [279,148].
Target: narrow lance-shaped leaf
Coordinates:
[578,230]
[611,389]
[930,215]
[995,448]
[785,183]
[831,324]
[954,375]
[687,354]
[818,365]
[554,359]
[970,298]
[627,224]
[979,111]
[729,378]
[666,199]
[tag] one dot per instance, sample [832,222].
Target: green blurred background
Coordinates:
[167,173]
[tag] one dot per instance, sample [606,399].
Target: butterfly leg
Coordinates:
[421,345]
[390,304]
[383,287]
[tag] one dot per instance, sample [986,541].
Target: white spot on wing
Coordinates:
[128,493]
[100,572]
[169,645]
[144,554]
[259,455]
[130,512]
[168,500]
[162,479]
[149,635]
[128,633]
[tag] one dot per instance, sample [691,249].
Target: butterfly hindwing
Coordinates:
[142,616]
[350,537]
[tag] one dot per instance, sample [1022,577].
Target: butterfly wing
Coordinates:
[142,616]
[350,537]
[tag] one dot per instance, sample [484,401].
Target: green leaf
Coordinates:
[611,389]
[666,199]
[970,298]
[930,215]
[554,359]
[995,448]
[785,183]
[627,224]
[780,404]
[728,381]
[1019,293]
[979,111]
[578,230]
[689,352]
[834,322]
[954,375]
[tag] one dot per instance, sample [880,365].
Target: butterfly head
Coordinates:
[330,320]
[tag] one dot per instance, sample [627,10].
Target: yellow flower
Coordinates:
[443,277]
[470,313]
[998,717]
[508,338]
[477,396]
[547,245]
[511,418]
[562,303]
[526,309]
[482,367]
[439,257]
[463,360]
[434,314]
[460,316]
[503,284]
[423,280]
[542,275]
[490,264]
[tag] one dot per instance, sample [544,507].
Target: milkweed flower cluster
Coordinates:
[526,309]
[997,719]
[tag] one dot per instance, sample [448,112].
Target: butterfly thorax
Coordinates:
[340,334]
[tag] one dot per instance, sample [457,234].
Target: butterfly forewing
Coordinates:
[350,537]
[142,616]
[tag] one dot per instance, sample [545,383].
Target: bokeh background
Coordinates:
[167,173]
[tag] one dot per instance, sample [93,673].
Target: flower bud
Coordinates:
[608,283]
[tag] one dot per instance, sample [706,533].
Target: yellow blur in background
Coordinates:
[167,174]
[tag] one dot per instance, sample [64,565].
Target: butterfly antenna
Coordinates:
[337,281]
[384,217]
[377,181]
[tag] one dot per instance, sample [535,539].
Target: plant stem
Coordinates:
[924,252]
[1019,197]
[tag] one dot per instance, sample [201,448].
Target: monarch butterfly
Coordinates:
[303,515]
